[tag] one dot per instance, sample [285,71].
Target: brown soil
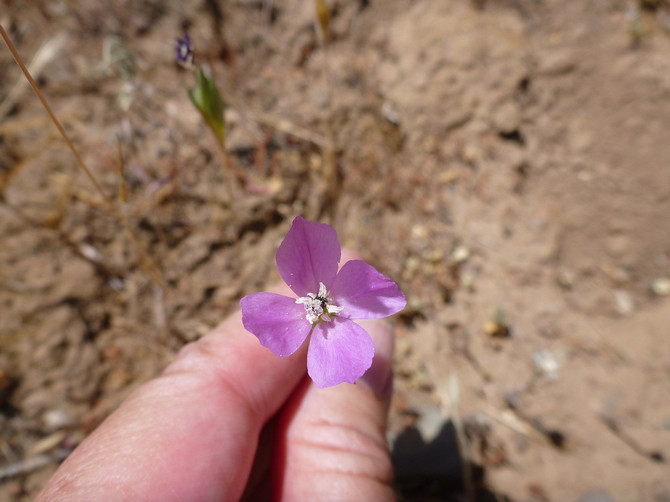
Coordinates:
[505,161]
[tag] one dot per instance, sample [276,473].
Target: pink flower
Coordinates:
[339,349]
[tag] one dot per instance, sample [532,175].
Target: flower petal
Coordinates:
[365,293]
[309,254]
[339,351]
[277,321]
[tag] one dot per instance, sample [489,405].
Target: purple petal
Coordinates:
[339,351]
[309,254]
[277,321]
[365,293]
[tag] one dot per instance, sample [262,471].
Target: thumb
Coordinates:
[331,443]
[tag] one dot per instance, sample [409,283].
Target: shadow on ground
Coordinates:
[433,471]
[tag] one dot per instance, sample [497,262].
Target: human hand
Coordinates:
[193,433]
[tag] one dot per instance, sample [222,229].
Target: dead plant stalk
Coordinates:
[151,269]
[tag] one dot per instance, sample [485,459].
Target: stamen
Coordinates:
[319,306]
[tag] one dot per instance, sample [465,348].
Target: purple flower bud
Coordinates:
[184,50]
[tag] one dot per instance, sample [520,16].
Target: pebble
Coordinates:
[558,62]
[56,418]
[419,232]
[412,263]
[617,274]
[507,118]
[660,286]
[460,254]
[414,303]
[90,252]
[566,279]
[390,113]
[547,363]
[468,280]
[624,302]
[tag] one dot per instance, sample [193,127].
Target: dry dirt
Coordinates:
[506,162]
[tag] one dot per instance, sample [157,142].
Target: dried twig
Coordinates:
[151,268]
[513,421]
[613,425]
[46,53]
[32,463]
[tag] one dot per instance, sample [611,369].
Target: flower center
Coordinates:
[319,306]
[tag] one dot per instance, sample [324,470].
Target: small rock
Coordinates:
[501,318]
[556,63]
[624,302]
[56,418]
[390,113]
[566,279]
[117,284]
[90,252]
[547,363]
[414,304]
[434,255]
[660,286]
[497,328]
[507,118]
[419,232]
[412,263]
[471,153]
[618,275]
[460,254]
[468,280]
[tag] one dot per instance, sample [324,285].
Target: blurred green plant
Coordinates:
[206,97]
[117,57]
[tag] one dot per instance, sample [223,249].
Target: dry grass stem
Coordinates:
[148,263]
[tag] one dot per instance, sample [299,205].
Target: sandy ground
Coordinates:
[506,162]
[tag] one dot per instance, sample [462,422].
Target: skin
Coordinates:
[193,432]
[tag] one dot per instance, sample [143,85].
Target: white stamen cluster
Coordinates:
[319,306]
